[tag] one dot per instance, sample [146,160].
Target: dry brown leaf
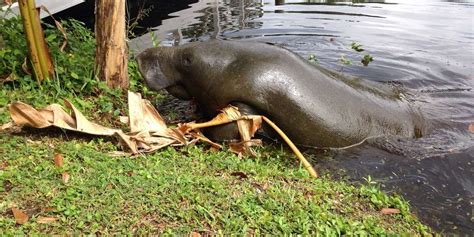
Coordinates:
[124,119]
[59,26]
[46,219]
[245,129]
[195,234]
[153,119]
[118,153]
[54,115]
[260,187]
[58,160]
[126,142]
[11,77]
[25,68]
[239,174]
[213,149]
[3,165]
[48,209]
[83,125]
[308,194]
[248,127]
[143,116]
[389,211]
[158,143]
[149,132]
[471,127]
[176,134]
[135,112]
[7,126]
[227,115]
[8,2]
[29,141]
[65,177]
[199,136]
[20,217]
[23,114]
[244,147]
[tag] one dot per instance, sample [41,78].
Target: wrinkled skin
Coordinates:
[314,106]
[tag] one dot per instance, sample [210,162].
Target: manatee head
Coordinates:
[187,71]
[155,66]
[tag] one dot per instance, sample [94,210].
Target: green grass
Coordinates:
[176,190]
[180,191]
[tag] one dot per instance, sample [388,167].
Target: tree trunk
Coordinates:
[111,48]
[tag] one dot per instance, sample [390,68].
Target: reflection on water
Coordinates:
[327,2]
[426,45]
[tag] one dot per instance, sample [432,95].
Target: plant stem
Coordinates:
[23,4]
[42,50]
[39,53]
[295,150]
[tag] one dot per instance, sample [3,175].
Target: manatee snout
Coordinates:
[158,67]
[150,69]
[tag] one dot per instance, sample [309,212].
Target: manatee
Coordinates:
[314,106]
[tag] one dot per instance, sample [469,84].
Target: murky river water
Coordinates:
[427,46]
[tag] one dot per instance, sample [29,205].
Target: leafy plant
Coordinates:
[357,47]
[367,59]
[312,58]
[154,40]
[344,60]
[134,23]
[74,71]
[369,180]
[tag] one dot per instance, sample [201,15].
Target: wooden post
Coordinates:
[111,48]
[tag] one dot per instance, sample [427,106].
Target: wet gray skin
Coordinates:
[314,106]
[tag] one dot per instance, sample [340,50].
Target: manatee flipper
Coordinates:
[230,131]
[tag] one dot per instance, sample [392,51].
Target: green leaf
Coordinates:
[50,38]
[74,75]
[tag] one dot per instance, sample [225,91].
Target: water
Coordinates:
[427,46]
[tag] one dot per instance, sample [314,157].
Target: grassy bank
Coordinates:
[180,190]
